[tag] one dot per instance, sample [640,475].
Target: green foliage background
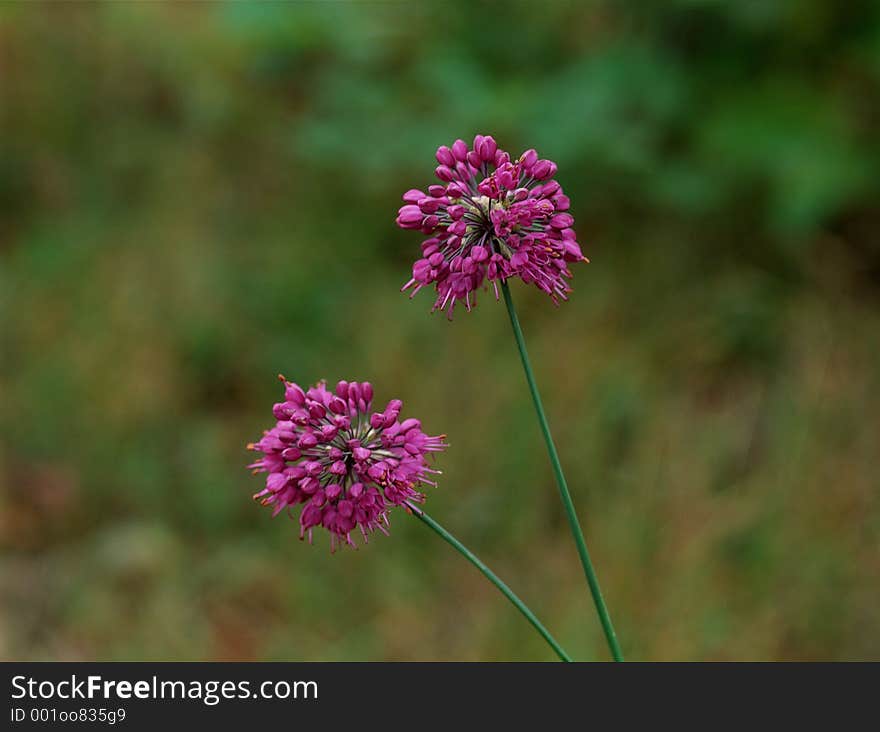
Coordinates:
[195,197]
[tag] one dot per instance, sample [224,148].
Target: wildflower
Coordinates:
[491,219]
[346,464]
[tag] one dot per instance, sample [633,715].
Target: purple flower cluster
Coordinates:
[491,219]
[346,464]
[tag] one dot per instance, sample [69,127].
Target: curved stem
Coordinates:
[564,494]
[492,577]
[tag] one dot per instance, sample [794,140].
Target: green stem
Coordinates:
[491,576]
[567,503]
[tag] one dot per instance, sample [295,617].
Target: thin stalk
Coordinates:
[564,494]
[492,577]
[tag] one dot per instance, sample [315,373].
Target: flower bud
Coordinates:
[293,393]
[486,148]
[428,205]
[456,190]
[410,217]
[456,211]
[541,169]
[444,172]
[445,156]
[528,159]
[561,221]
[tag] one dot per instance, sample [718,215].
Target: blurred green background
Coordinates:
[195,197]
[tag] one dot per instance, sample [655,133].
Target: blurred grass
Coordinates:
[195,197]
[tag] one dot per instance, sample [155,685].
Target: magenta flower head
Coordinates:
[346,464]
[491,218]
